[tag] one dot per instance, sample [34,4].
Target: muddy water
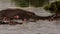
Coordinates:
[43,27]
[5,4]
[39,27]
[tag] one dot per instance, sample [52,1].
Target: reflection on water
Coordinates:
[5,4]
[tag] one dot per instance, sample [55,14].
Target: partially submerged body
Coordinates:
[16,14]
[10,15]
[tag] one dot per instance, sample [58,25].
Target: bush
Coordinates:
[53,7]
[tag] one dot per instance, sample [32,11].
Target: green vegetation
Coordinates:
[27,3]
[21,3]
[53,7]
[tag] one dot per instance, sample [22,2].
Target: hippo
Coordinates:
[8,15]
[55,16]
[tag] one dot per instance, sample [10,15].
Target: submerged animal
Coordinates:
[8,15]
[16,14]
[55,16]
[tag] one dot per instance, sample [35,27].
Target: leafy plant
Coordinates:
[53,7]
